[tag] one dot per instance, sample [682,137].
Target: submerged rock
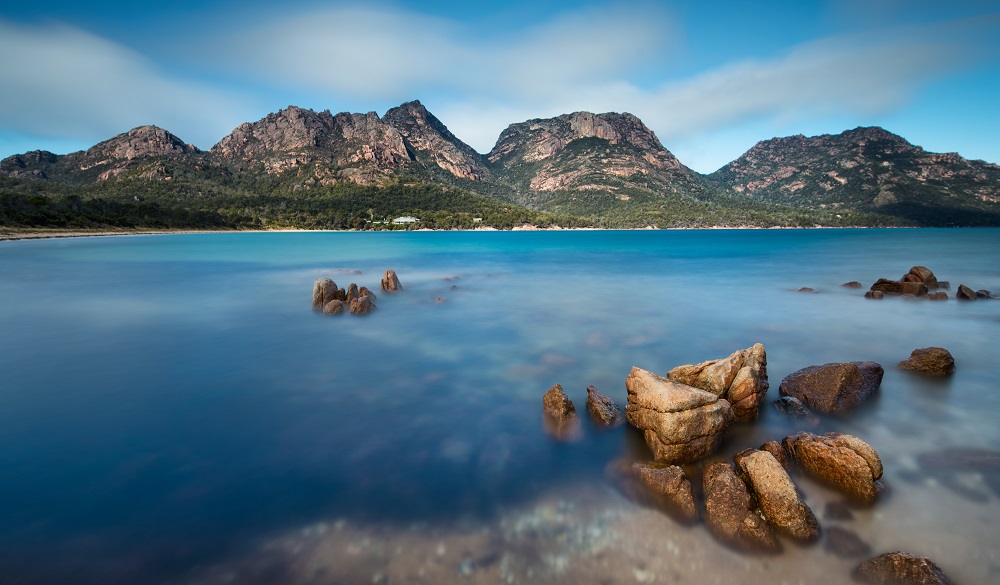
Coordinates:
[937,296]
[731,512]
[932,361]
[833,388]
[390,282]
[841,461]
[875,295]
[794,408]
[365,292]
[984,294]
[559,414]
[665,487]
[741,379]
[844,543]
[603,410]
[852,284]
[777,496]
[681,424]
[900,568]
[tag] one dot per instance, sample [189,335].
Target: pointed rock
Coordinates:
[390,282]
[603,410]
[740,378]
[559,414]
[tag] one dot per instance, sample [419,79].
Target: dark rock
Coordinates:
[681,424]
[390,282]
[932,361]
[852,284]
[775,448]
[841,461]
[937,296]
[603,410]
[440,300]
[833,388]
[984,294]
[361,306]
[965,293]
[805,289]
[944,284]
[777,496]
[323,291]
[875,295]
[922,274]
[740,378]
[896,287]
[664,487]
[900,568]
[334,307]
[794,408]
[837,511]
[730,511]
[559,414]
[844,543]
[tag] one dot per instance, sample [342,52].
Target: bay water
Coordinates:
[172,410]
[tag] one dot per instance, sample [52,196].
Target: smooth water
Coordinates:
[170,407]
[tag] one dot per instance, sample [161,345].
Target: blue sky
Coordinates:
[710,78]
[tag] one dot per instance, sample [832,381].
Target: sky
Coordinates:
[711,79]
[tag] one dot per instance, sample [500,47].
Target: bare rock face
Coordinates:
[361,306]
[740,378]
[841,461]
[323,292]
[932,361]
[390,282]
[603,410]
[833,388]
[937,296]
[665,487]
[433,143]
[730,511]
[144,141]
[778,498]
[559,414]
[681,424]
[334,307]
[363,291]
[900,568]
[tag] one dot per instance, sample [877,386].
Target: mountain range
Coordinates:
[578,169]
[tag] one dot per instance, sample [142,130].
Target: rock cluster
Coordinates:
[681,423]
[919,282]
[329,299]
[833,388]
[741,379]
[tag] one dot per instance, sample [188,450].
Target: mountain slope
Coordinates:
[431,144]
[867,170]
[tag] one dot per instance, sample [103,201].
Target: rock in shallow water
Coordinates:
[730,511]
[777,496]
[900,568]
[603,410]
[841,461]
[844,543]
[665,487]
[323,291]
[681,424]
[390,282]
[559,414]
[932,361]
[741,379]
[833,388]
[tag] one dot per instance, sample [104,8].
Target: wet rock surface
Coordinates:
[665,487]
[323,292]
[731,512]
[841,461]
[900,568]
[603,410]
[833,388]
[361,306]
[931,361]
[965,293]
[895,287]
[777,496]
[794,408]
[559,414]
[681,424]
[844,543]
[390,282]
[740,378]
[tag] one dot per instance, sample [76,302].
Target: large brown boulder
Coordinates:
[665,487]
[843,462]
[731,512]
[895,287]
[603,410]
[933,361]
[559,414]
[323,293]
[833,388]
[361,306]
[777,496]
[900,568]
[921,274]
[334,307]
[681,424]
[741,379]
[390,282]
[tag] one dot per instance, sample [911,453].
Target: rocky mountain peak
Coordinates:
[288,130]
[432,143]
[141,142]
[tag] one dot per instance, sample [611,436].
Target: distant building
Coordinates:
[477,219]
[405,219]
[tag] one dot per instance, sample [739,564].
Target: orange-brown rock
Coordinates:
[730,511]
[390,282]
[603,410]
[775,448]
[932,361]
[361,306]
[900,568]
[323,292]
[841,461]
[777,496]
[334,307]
[559,415]
[665,487]
[833,388]
[681,424]
[740,378]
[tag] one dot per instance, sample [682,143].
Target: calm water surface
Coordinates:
[168,403]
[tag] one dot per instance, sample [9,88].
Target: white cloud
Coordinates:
[61,81]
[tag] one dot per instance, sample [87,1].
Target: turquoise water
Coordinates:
[168,402]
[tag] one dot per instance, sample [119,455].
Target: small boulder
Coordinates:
[984,294]
[805,289]
[731,512]
[352,293]
[794,408]
[965,293]
[844,543]
[932,361]
[777,496]
[833,388]
[740,378]
[334,307]
[365,292]
[852,284]
[361,306]
[944,284]
[900,568]
[937,296]
[922,274]
[323,293]
[559,414]
[681,424]
[390,282]
[841,461]
[876,295]
[603,410]
[665,487]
